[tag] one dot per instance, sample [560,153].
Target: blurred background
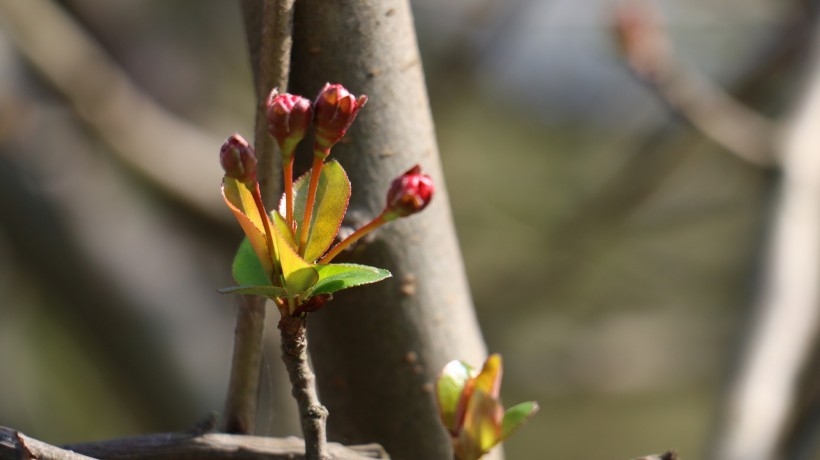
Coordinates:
[615,253]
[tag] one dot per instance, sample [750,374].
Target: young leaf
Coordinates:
[482,425]
[299,275]
[247,270]
[489,379]
[335,277]
[516,416]
[332,197]
[239,199]
[449,389]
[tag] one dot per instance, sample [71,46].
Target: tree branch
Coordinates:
[785,326]
[175,446]
[268,32]
[706,106]
[311,412]
[243,387]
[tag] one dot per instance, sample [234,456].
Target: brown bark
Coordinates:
[312,413]
[378,349]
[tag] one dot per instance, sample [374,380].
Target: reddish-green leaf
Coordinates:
[299,275]
[482,426]
[332,197]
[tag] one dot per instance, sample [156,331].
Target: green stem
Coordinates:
[355,236]
[260,206]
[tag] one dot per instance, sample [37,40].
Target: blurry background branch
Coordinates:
[709,108]
[761,394]
[154,142]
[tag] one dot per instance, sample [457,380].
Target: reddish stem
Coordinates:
[355,236]
[288,173]
[315,171]
[260,206]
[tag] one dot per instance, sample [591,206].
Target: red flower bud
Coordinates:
[237,159]
[409,193]
[334,110]
[288,119]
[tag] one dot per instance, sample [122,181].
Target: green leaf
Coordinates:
[332,197]
[335,277]
[300,280]
[299,274]
[247,270]
[516,416]
[449,390]
[264,291]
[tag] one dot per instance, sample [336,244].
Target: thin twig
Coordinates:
[709,108]
[313,414]
[175,446]
[267,26]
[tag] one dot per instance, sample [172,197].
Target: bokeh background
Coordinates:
[614,252]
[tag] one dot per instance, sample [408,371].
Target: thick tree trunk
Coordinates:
[378,349]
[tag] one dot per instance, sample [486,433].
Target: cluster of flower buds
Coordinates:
[290,116]
[292,243]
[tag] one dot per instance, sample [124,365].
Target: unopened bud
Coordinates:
[289,117]
[237,159]
[334,110]
[409,193]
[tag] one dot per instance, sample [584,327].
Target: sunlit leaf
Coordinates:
[335,277]
[449,389]
[489,379]
[332,197]
[482,425]
[239,199]
[516,416]
[299,275]
[284,231]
